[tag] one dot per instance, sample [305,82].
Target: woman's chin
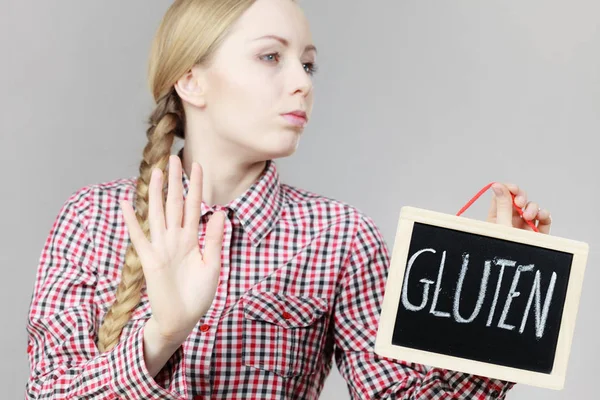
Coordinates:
[280,153]
[283,146]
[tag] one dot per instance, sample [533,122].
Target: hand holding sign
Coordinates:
[483,297]
[503,211]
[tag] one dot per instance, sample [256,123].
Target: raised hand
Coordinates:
[181,282]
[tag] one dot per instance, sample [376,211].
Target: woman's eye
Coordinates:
[270,55]
[312,68]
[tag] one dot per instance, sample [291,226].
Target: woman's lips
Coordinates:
[295,119]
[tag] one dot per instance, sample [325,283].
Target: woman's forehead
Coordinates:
[280,18]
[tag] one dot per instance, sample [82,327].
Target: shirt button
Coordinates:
[286,315]
[204,327]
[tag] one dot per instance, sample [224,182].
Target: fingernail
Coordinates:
[497,190]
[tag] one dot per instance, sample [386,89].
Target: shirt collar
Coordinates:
[258,208]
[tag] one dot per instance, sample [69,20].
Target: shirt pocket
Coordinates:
[282,333]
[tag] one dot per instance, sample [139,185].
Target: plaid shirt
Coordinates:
[302,282]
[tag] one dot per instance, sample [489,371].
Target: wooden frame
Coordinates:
[384,347]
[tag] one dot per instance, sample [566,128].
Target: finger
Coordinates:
[193,201]
[213,241]
[514,188]
[504,204]
[520,194]
[493,210]
[136,234]
[518,221]
[544,221]
[531,211]
[156,216]
[175,194]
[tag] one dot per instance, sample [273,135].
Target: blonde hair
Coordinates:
[189,34]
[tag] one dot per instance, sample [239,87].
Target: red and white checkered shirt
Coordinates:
[302,282]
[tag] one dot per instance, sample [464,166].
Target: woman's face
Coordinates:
[262,70]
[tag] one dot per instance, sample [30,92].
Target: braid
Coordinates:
[166,122]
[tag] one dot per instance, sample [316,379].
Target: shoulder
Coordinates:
[97,202]
[324,208]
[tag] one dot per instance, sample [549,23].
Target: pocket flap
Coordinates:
[283,309]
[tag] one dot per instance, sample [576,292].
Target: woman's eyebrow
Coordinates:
[285,42]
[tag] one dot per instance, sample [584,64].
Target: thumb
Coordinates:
[504,201]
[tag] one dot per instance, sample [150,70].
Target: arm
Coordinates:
[64,360]
[356,317]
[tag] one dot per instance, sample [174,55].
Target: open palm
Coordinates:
[181,282]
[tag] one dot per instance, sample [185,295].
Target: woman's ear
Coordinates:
[191,89]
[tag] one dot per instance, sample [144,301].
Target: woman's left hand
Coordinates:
[503,212]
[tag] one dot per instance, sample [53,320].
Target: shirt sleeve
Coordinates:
[64,360]
[356,316]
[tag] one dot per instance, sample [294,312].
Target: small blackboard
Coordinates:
[481,298]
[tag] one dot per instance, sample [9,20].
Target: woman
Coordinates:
[286,279]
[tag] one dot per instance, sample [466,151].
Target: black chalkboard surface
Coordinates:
[481,298]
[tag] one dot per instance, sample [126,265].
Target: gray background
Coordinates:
[417,103]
